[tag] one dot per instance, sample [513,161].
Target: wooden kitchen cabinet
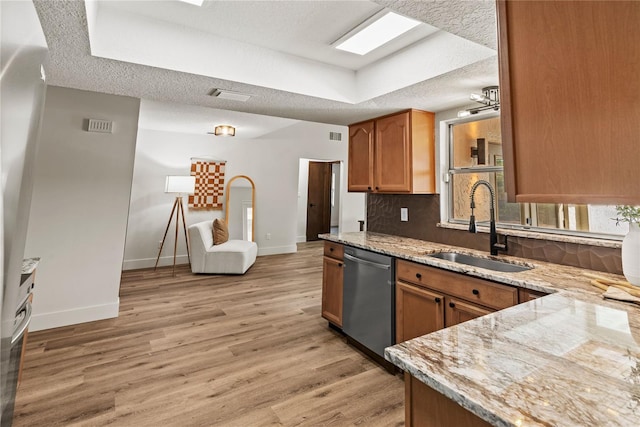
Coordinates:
[569,88]
[458,311]
[419,311]
[428,299]
[393,154]
[361,156]
[426,407]
[332,271]
[525,295]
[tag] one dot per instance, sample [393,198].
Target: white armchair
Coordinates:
[231,257]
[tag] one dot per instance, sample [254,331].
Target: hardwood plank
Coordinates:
[213,350]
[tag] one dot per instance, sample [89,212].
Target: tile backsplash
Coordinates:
[383,216]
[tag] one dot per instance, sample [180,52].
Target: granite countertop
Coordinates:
[567,359]
[29,265]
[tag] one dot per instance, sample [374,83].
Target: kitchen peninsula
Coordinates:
[569,358]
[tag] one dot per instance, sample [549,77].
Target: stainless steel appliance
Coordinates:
[368,313]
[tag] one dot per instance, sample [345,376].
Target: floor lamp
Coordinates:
[179,185]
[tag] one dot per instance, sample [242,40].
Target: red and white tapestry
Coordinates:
[209,189]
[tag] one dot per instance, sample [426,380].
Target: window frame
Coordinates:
[446,193]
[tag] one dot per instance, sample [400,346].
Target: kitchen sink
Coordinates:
[475,261]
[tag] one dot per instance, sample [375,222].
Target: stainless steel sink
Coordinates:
[475,261]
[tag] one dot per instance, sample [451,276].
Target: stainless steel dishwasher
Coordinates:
[368,314]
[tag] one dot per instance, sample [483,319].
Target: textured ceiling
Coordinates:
[71,65]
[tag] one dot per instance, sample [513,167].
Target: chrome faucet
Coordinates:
[493,235]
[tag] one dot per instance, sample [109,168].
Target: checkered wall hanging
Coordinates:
[209,189]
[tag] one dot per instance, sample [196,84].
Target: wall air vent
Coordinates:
[230,95]
[335,136]
[102,126]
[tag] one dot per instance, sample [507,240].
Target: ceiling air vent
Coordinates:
[335,136]
[102,126]
[230,95]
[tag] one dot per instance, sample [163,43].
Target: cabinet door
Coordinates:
[360,167]
[332,290]
[569,100]
[525,295]
[457,311]
[393,154]
[418,311]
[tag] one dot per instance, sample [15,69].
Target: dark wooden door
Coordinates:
[318,200]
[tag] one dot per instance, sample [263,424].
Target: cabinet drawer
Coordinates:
[472,289]
[333,250]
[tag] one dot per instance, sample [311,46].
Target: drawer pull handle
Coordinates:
[438,300]
[475,292]
[418,276]
[452,305]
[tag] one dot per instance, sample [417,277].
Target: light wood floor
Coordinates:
[199,350]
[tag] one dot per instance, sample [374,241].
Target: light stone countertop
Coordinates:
[567,359]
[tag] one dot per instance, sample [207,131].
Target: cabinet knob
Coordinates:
[369,188]
[451,305]
[340,264]
[377,188]
[330,249]
[418,276]
[437,300]
[475,292]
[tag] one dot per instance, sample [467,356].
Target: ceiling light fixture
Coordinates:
[490,100]
[230,95]
[193,2]
[374,32]
[224,130]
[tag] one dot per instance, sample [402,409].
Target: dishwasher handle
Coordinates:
[369,263]
[24,323]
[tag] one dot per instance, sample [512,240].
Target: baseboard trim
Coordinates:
[301,239]
[57,319]
[135,264]
[275,250]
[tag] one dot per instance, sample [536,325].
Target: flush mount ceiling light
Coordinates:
[224,130]
[374,32]
[490,100]
[230,95]
[194,2]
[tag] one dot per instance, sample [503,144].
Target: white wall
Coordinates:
[79,209]
[335,210]
[272,161]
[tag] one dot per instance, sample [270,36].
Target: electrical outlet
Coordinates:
[404,214]
[268,236]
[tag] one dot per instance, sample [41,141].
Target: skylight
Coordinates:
[194,2]
[373,35]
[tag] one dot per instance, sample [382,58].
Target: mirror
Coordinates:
[240,208]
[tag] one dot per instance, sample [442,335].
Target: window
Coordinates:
[475,153]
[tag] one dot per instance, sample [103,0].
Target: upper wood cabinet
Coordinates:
[361,156]
[570,100]
[393,154]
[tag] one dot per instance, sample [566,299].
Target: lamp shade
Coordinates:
[180,184]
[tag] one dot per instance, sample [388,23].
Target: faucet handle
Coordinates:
[472,224]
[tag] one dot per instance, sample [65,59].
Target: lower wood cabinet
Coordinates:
[429,299]
[426,407]
[419,311]
[525,295]
[332,271]
[458,311]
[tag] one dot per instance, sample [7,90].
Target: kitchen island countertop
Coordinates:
[567,359]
